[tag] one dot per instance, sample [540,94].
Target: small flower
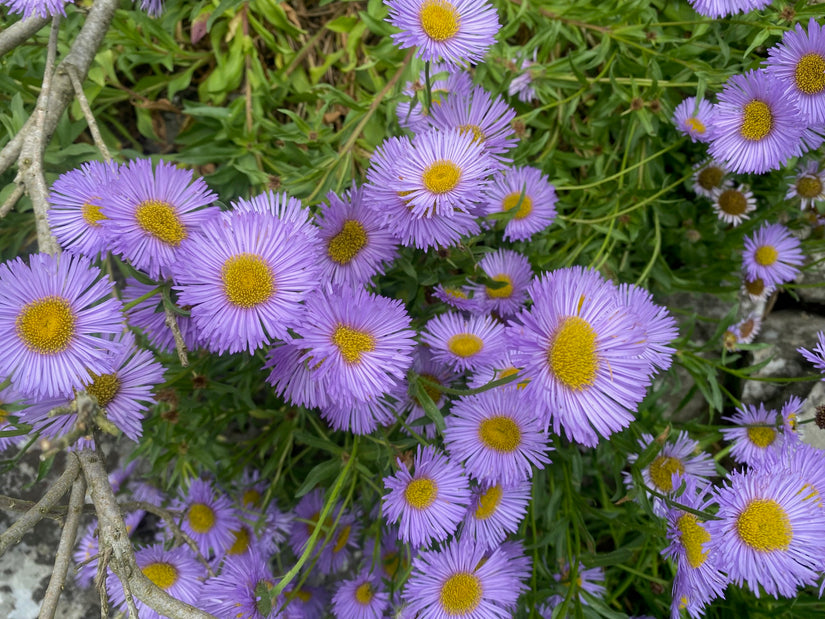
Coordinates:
[742,332]
[756,434]
[817,354]
[43,8]
[732,205]
[496,510]
[511,269]
[209,518]
[773,254]
[723,8]
[808,186]
[587,581]
[445,82]
[460,298]
[236,591]
[363,597]
[429,504]
[452,32]
[708,177]
[756,289]
[461,343]
[694,119]
[529,192]
[522,85]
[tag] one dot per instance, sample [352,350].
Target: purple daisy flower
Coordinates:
[693,118]
[817,354]
[495,511]
[148,315]
[283,206]
[363,597]
[453,32]
[209,517]
[808,185]
[294,380]
[176,571]
[244,278]
[76,212]
[57,319]
[504,368]
[680,459]
[528,191]
[488,120]
[459,298]
[274,525]
[362,342]
[698,576]
[462,343]
[443,173]
[424,366]
[589,581]
[43,8]
[581,350]
[799,62]
[335,544]
[773,254]
[357,244]
[757,126]
[655,321]
[521,86]
[511,269]
[151,215]
[235,592]
[755,435]
[732,204]
[429,504]
[768,532]
[723,8]
[444,83]
[708,177]
[496,436]
[85,554]
[458,580]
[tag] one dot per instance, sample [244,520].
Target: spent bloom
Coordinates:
[808,185]
[773,254]
[708,177]
[732,204]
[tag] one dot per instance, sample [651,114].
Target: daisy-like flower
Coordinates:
[357,244]
[361,343]
[363,597]
[75,212]
[513,271]
[708,177]
[655,321]
[588,581]
[445,82]
[453,32]
[209,517]
[723,8]
[150,215]
[148,315]
[176,571]
[756,126]
[521,86]
[244,278]
[9,400]
[488,120]
[251,504]
[808,185]
[445,172]
[756,289]
[698,576]
[773,254]
[85,554]
[694,119]
[496,510]
[503,369]
[799,62]
[732,204]
[801,461]
[461,343]
[742,332]
[236,591]
[458,297]
[817,354]
[455,582]
[43,8]
[295,380]
[496,436]
[529,192]
[768,532]
[677,458]
[428,504]
[755,435]
[581,349]
[57,319]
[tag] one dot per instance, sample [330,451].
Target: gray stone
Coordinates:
[809,432]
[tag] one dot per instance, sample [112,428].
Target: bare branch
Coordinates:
[58,512]
[15,532]
[20,32]
[180,345]
[64,550]
[77,84]
[12,200]
[113,535]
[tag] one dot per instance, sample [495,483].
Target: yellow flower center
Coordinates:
[91,214]
[695,125]
[810,73]
[104,387]
[478,134]
[241,543]
[500,433]
[503,292]
[732,202]
[693,536]
[710,177]
[461,593]
[465,344]
[345,245]
[525,204]
[764,526]
[201,518]
[247,280]
[455,292]
[342,539]
[164,575]
[433,392]
[421,493]
[47,325]
[304,596]
[809,187]
[439,19]
[766,255]
[662,470]
[352,343]
[488,502]
[441,177]
[392,562]
[755,287]
[509,372]
[761,436]
[251,498]
[161,221]
[313,520]
[572,356]
[757,121]
[364,594]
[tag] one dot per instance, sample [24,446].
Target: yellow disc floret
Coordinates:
[465,344]
[478,134]
[662,470]
[241,543]
[164,575]
[160,219]
[693,536]
[503,292]
[488,502]
[439,19]
[461,593]
[104,387]
[421,493]
[696,125]
[764,526]
[201,518]
[47,325]
[247,280]
[766,255]
[345,245]
[441,177]
[572,355]
[757,121]
[500,433]
[762,436]
[810,73]
[524,203]
[352,343]
[364,593]
[91,214]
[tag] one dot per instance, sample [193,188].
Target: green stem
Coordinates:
[428,92]
[491,385]
[142,298]
[657,245]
